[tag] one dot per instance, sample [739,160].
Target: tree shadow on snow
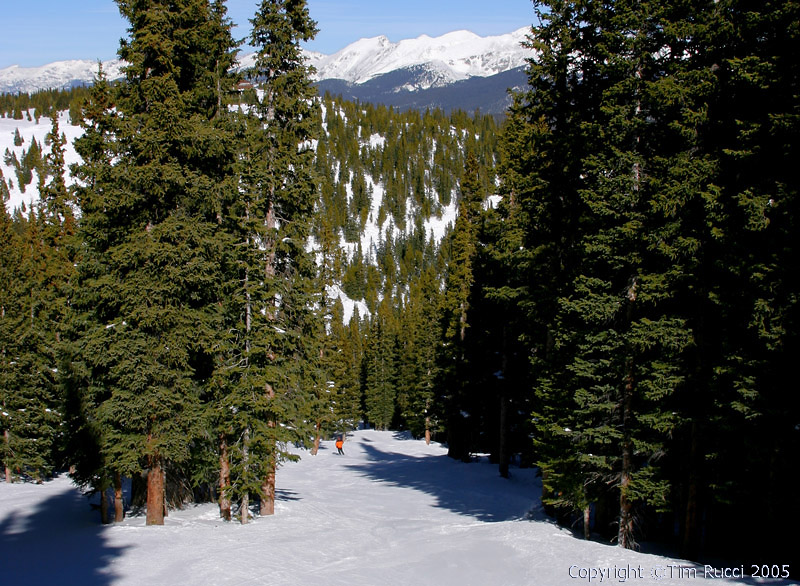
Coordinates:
[474,490]
[281,494]
[58,542]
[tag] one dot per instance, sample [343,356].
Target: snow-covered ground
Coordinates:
[391,511]
[28,130]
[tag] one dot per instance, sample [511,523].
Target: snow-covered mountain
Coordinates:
[452,57]
[440,61]
[58,75]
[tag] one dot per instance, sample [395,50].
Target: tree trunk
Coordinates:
[587,518]
[155,492]
[317,439]
[104,506]
[427,431]
[268,492]
[689,545]
[7,439]
[503,456]
[165,500]
[244,513]
[224,480]
[245,506]
[625,535]
[503,449]
[268,484]
[119,510]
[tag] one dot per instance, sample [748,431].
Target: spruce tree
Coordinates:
[379,367]
[31,406]
[86,384]
[608,245]
[456,307]
[271,358]
[153,268]
[419,339]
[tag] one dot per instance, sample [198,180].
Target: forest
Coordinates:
[613,302]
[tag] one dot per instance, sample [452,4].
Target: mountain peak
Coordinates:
[457,55]
[454,56]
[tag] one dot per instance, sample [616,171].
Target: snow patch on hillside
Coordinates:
[438,226]
[350,306]
[29,130]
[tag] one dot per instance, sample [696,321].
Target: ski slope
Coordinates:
[391,511]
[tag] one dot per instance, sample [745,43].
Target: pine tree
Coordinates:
[379,368]
[605,235]
[419,339]
[30,396]
[273,354]
[85,385]
[746,325]
[153,249]
[456,307]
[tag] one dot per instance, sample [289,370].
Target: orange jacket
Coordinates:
[339,444]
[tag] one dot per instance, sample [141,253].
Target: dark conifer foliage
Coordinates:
[636,248]
[154,240]
[38,266]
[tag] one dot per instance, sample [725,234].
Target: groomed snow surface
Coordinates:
[390,511]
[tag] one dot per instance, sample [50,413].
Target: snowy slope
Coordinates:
[29,130]
[371,237]
[391,511]
[448,58]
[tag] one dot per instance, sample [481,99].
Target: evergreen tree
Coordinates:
[605,221]
[277,345]
[86,384]
[418,374]
[31,406]
[152,272]
[379,368]
[456,306]
[746,323]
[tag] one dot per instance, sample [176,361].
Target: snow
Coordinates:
[450,57]
[391,511]
[492,202]
[437,226]
[57,75]
[28,130]
[377,141]
[335,292]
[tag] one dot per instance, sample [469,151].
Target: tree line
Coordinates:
[174,320]
[644,249]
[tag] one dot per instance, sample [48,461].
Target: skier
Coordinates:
[339,444]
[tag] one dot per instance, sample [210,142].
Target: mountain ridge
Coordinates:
[449,58]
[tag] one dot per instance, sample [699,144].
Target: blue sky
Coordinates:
[36,32]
